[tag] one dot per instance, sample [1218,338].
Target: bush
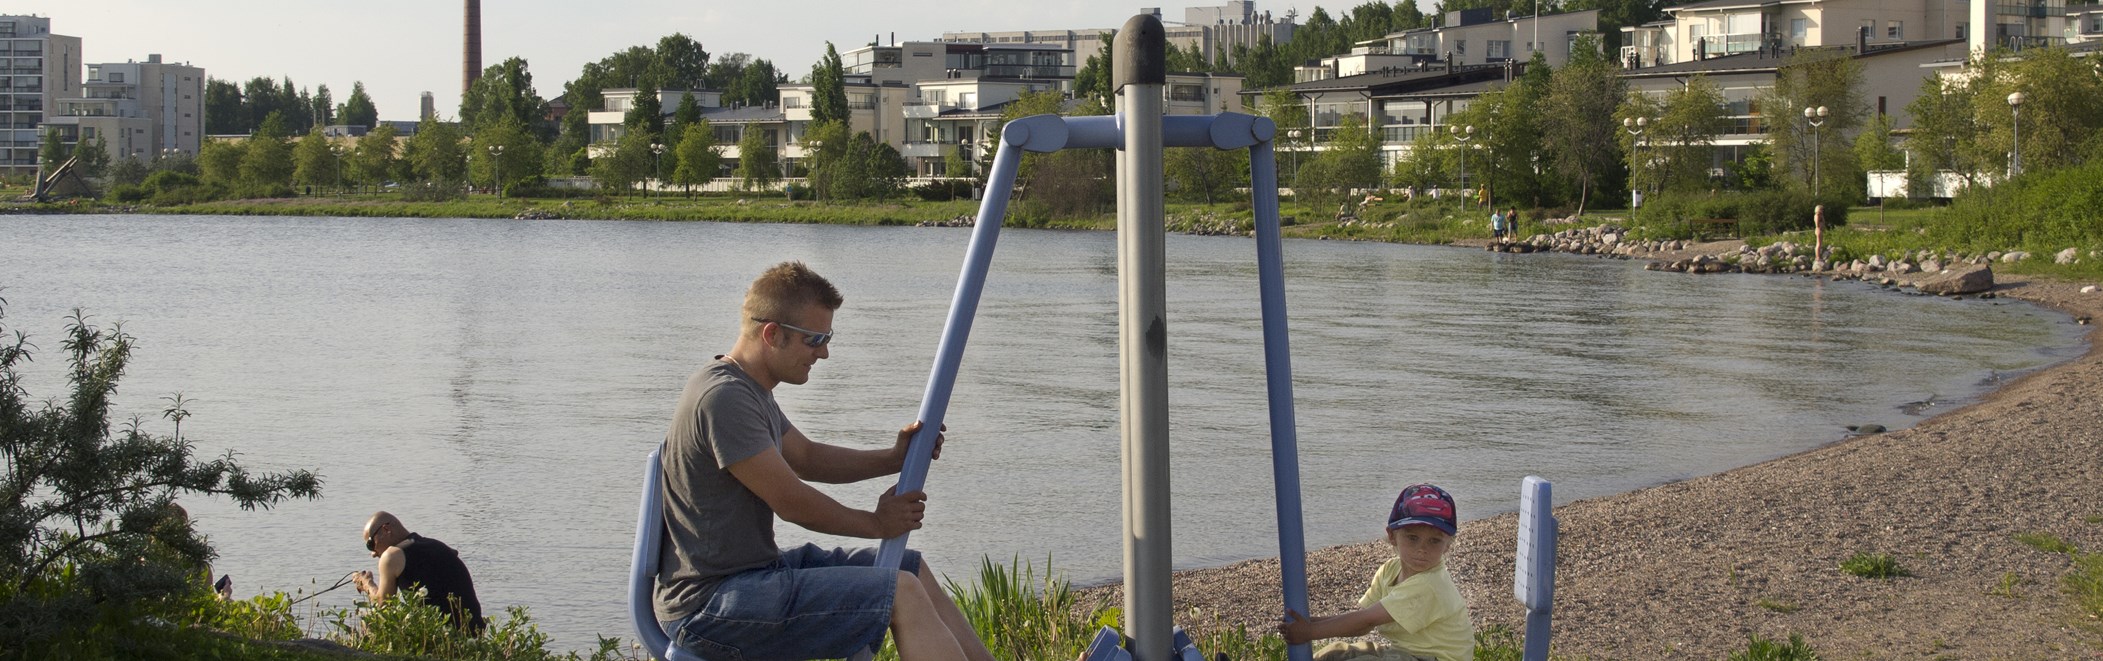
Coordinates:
[92,541]
[2041,212]
[1873,565]
[1757,212]
[944,190]
[1762,649]
[128,193]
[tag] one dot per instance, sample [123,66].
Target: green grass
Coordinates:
[2044,542]
[1782,607]
[1873,565]
[2085,585]
[1762,649]
[2006,588]
[2093,518]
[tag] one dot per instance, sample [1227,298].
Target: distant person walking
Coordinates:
[409,560]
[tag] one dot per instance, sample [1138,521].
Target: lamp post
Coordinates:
[496,159]
[1635,127]
[2015,158]
[1295,135]
[1817,118]
[657,167]
[1463,134]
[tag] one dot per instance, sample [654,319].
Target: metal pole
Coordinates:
[1277,361]
[1142,338]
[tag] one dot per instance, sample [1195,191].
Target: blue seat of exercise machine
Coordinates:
[642,574]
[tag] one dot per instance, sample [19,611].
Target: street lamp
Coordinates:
[1635,127]
[2015,105]
[1817,118]
[657,166]
[1295,135]
[496,158]
[1463,134]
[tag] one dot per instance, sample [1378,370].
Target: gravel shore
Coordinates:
[1691,569]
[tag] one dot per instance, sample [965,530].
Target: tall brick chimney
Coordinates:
[471,51]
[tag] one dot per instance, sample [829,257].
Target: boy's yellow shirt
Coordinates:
[1431,618]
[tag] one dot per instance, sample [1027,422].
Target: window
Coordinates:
[1460,46]
[116,76]
[791,102]
[1798,29]
[1498,49]
[1895,30]
[936,97]
[1186,93]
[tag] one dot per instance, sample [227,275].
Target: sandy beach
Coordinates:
[1690,569]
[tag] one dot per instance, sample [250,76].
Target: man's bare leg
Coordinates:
[953,617]
[918,627]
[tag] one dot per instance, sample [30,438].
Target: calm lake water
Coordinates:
[497,383]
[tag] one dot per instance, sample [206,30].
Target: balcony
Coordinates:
[922,110]
[1405,134]
[1026,71]
[1728,44]
[926,149]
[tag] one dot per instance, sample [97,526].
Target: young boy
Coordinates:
[1412,602]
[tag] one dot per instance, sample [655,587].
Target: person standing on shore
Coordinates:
[732,462]
[1511,224]
[1412,602]
[1496,225]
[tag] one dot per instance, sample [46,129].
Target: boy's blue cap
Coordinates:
[1427,505]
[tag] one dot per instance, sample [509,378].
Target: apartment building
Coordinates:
[1214,31]
[1729,27]
[36,69]
[925,99]
[142,110]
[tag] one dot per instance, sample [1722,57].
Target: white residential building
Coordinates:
[1465,38]
[925,99]
[142,110]
[1729,27]
[1214,31]
[36,69]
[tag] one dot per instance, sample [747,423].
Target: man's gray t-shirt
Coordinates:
[714,526]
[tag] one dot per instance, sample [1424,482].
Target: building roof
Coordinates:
[1476,88]
[1710,5]
[1399,80]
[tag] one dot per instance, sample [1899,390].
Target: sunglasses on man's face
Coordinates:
[370,537]
[811,338]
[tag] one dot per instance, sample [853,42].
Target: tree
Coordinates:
[1578,117]
[1205,174]
[505,92]
[128,171]
[688,112]
[699,159]
[357,110]
[1294,133]
[1873,148]
[316,162]
[223,114]
[2060,114]
[321,108]
[52,151]
[1943,134]
[628,164]
[1349,160]
[374,159]
[829,88]
[436,154]
[756,167]
[89,535]
[1092,81]
[681,64]
[824,146]
[93,157]
[1675,152]
[1814,78]
[266,164]
[516,155]
[648,112]
[219,162]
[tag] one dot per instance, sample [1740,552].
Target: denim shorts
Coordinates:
[813,603]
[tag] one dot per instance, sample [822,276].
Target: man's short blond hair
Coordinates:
[783,291]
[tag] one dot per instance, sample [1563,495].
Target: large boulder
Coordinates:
[1970,279]
[2067,256]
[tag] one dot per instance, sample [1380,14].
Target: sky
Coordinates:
[401,49]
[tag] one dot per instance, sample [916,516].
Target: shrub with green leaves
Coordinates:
[89,540]
[1763,649]
[1873,565]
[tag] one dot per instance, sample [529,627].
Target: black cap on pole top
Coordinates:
[1140,54]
